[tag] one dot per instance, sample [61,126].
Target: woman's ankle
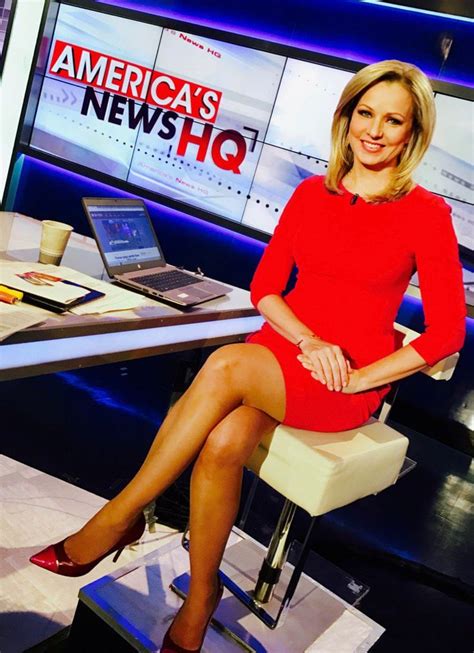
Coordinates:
[111,516]
[204,591]
[96,537]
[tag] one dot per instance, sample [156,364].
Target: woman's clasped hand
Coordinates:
[328,364]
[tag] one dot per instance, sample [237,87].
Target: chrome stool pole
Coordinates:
[270,571]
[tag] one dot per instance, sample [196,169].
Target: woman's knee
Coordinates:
[247,374]
[227,446]
[222,450]
[220,367]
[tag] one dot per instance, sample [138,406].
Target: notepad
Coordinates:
[54,291]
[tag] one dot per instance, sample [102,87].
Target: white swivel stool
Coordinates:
[320,472]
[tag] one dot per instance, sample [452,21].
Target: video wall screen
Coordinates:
[448,167]
[221,127]
[224,128]
[7,12]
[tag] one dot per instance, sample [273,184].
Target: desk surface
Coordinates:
[79,341]
[69,341]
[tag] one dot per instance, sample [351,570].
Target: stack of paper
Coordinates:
[10,272]
[15,317]
[116,299]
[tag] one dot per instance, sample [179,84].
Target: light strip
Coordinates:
[416,10]
[26,354]
[219,230]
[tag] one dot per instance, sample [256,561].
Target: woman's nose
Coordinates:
[375,128]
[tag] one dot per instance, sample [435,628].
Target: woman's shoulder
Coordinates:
[312,184]
[430,215]
[427,199]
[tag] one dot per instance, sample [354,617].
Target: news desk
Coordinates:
[66,342]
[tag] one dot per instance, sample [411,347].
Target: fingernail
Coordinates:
[338,388]
[330,387]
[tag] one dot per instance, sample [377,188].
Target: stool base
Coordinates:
[314,610]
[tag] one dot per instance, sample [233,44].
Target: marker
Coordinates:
[15,293]
[7,299]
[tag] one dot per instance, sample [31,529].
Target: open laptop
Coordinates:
[133,257]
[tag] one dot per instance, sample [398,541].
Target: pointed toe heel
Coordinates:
[55,559]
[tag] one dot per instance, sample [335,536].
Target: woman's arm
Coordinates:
[270,280]
[395,366]
[282,319]
[326,360]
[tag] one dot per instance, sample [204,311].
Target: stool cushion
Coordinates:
[323,471]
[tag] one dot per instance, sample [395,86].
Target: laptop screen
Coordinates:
[125,234]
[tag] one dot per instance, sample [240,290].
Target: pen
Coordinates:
[28,276]
[15,293]
[43,275]
[7,299]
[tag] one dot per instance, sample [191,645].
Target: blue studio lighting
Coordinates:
[101,189]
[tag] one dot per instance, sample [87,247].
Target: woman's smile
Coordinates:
[371,147]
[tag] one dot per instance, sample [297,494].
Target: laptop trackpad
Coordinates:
[200,292]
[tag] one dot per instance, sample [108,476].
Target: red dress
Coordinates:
[354,263]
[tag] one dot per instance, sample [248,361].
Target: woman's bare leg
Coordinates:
[233,375]
[215,496]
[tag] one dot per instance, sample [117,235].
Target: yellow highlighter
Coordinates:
[14,293]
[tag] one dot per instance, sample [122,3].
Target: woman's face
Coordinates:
[381,125]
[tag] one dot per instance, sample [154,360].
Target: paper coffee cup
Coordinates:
[54,237]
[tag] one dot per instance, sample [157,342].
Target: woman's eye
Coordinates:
[395,121]
[364,112]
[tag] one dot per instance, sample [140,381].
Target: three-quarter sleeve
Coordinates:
[275,266]
[440,278]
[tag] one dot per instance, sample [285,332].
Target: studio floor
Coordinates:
[412,544]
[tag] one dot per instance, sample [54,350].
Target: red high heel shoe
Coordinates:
[170,646]
[55,559]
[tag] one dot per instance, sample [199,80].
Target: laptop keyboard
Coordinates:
[167,280]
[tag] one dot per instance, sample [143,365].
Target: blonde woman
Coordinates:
[327,352]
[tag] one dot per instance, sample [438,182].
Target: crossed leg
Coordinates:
[215,496]
[237,397]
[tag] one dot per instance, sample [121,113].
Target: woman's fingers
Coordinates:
[329,367]
[334,367]
[308,365]
[343,373]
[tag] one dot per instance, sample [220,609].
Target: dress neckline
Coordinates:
[352,195]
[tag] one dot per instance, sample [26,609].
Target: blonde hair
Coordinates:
[424,115]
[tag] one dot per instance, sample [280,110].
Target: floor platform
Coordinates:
[137,605]
[35,510]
